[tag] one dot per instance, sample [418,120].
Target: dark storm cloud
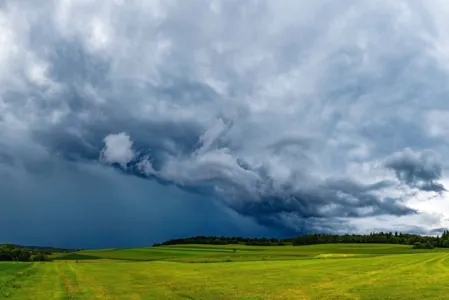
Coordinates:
[277,115]
[263,200]
[85,205]
[417,169]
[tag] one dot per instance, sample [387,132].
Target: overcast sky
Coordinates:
[128,122]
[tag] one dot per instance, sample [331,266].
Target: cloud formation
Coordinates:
[297,203]
[418,170]
[118,149]
[300,115]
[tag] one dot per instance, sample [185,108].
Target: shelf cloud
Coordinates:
[299,116]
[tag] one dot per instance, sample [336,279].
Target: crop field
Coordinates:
[333,271]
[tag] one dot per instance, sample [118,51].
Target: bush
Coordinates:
[426,245]
[40,257]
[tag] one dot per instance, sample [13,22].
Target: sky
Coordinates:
[129,122]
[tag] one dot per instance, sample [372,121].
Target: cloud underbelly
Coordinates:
[304,123]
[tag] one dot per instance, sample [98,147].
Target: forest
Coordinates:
[418,241]
[11,252]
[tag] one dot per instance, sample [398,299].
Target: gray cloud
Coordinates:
[276,113]
[85,205]
[256,193]
[417,169]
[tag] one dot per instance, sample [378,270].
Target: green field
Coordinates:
[333,271]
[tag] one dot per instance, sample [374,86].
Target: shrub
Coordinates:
[426,245]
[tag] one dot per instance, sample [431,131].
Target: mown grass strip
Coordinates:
[14,276]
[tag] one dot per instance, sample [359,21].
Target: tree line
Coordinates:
[223,240]
[418,241]
[10,252]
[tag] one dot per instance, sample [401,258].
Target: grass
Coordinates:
[12,276]
[206,253]
[337,271]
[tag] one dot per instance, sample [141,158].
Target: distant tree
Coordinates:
[445,243]
[425,245]
[423,242]
[395,240]
[41,256]
[18,253]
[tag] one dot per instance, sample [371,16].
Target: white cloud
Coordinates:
[99,36]
[118,149]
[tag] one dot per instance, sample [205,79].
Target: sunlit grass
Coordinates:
[340,271]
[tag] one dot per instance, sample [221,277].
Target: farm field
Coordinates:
[333,271]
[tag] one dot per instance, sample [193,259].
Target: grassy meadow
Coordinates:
[332,271]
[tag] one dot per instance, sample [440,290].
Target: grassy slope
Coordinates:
[375,272]
[206,253]
[13,275]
